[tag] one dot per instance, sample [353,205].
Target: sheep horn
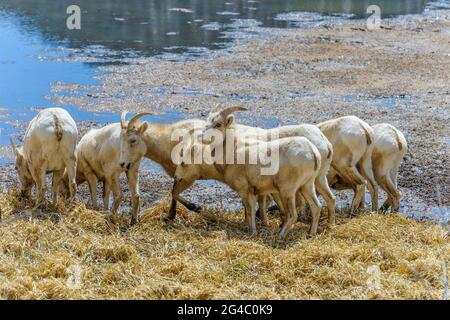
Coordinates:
[232,109]
[136,117]
[123,122]
[13,145]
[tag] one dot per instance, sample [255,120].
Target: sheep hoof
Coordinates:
[169,217]
[311,235]
[195,208]
[112,217]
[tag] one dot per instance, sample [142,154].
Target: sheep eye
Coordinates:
[15,167]
[133,141]
[217,125]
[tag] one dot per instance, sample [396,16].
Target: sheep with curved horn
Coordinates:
[223,121]
[103,154]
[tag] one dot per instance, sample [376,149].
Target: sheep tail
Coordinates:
[58,129]
[330,152]
[316,156]
[367,134]
[397,138]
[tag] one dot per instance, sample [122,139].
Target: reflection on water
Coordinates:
[149,26]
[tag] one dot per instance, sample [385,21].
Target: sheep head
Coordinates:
[132,144]
[222,120]
[21,166]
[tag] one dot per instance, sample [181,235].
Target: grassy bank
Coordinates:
[79,254]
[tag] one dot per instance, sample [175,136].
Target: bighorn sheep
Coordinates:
[299,164]
[225,120]
[103,154]
[352,141]
[160,141]
[48,147]
[389,149]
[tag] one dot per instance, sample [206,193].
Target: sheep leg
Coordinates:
[39,178]
[262,202]
[386,204]
[324,190]
[309,193]
[71,167]
[172,211]
[279,205]
[117,194]
[351,175]
[178,187]
[300,204]
[290,204]
[367,173]
[393,174]
[133,182]
[393,195]
[189,205]
[106,194]
[92,182]
[56,182]
[249,201]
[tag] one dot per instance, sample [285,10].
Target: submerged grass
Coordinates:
[77,253]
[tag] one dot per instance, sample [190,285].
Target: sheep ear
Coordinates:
[143,128]
[229,121]
[14,147]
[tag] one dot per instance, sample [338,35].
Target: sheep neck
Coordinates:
[157,137]
[222,167]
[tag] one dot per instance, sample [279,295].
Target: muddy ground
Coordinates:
[398,74]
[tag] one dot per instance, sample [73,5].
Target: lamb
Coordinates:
[353,143]
[103,154]
[298,163]
[224,120]
[48,147]
[389,149]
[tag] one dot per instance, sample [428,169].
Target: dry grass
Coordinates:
[210,256]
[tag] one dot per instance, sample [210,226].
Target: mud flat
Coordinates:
[398,74]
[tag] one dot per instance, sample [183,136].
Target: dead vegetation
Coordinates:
[81,255]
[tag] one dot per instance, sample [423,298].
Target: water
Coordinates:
[35,41]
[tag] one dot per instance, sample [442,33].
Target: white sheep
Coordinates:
[353,142]
[298,165]
[48,147]
[160,141]
[225,120]
[103,154]
[389,149]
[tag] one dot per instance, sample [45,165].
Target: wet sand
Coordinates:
[399,74]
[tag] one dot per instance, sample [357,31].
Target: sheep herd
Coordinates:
[290,165]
